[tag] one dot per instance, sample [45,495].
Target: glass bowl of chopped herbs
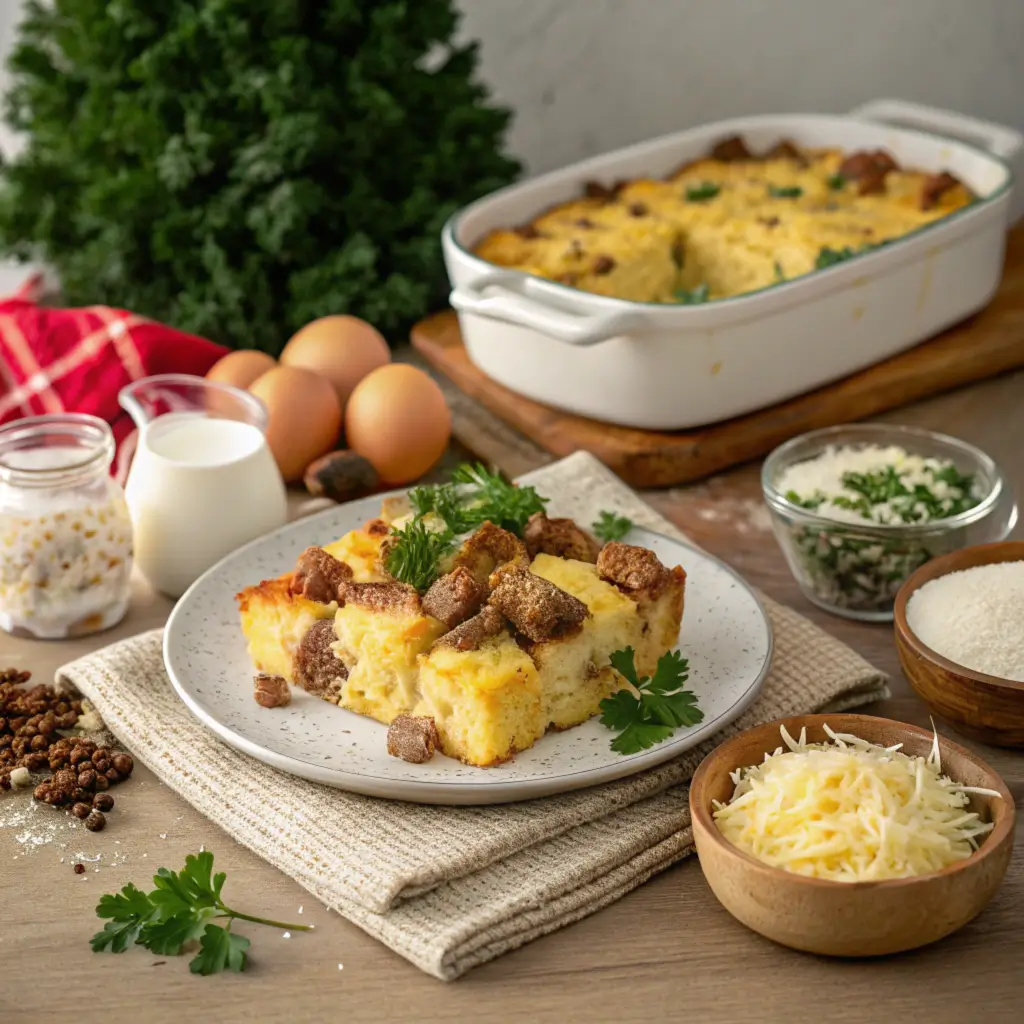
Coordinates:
[858,508]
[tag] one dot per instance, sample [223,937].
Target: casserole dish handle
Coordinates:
[501,295]
[1000,140]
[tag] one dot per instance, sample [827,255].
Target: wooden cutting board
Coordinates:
[989,343]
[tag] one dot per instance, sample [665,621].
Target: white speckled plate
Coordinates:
[726,637]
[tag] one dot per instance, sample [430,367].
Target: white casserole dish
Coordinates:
[669,367]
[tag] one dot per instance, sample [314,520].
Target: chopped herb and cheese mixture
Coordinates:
[851,565]
[880,485]
[851,811]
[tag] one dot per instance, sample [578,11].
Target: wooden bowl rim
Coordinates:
[1007,550]
[700,809]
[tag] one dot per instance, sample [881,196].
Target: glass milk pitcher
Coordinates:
[202,481]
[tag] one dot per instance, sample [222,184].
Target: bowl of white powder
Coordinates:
[858,508]
[959,623]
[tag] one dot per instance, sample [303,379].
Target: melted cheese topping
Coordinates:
[718,228]
[850,811]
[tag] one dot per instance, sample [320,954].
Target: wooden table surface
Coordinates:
[666,951]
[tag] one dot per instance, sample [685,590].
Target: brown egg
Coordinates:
[398,419]
[343,349]
[304,417]
[241,368]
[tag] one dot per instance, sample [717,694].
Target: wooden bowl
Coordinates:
[983,707]
[854,919]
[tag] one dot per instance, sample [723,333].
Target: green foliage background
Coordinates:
[237,168]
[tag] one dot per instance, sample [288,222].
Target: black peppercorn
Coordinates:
[96,822]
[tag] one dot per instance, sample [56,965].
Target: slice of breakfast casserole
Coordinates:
[512,639]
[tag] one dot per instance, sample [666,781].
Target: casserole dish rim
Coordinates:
[541,287]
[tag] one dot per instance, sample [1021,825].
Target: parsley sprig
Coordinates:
[474,496]
[180,910]
[444,501]
[608,526]
[489,496]
[659,706]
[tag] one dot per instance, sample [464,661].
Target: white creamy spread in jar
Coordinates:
[65,551]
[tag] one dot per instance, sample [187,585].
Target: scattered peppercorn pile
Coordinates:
[31,720]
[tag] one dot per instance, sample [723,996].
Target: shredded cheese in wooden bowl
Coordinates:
[851,811]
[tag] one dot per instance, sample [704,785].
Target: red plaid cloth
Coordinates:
[77,360]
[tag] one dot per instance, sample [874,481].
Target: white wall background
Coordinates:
[589,75]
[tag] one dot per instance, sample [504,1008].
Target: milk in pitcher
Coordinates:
[201,483]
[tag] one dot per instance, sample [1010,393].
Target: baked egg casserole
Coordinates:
[727,224]
[510,635]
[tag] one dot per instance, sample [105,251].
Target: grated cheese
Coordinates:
[850,811]
[822,478]
[973,617]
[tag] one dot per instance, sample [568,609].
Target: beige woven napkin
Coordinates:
[450,888]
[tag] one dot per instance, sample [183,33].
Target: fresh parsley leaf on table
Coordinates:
[609,526]
[219,949]
[659,706]
[179,910]
[128,912]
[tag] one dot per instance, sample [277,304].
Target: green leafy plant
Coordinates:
[785,191]
[179,911]
[836,182]
[238,170]
[655,707]
[609,526]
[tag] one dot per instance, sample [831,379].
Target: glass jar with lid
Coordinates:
[65,532]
